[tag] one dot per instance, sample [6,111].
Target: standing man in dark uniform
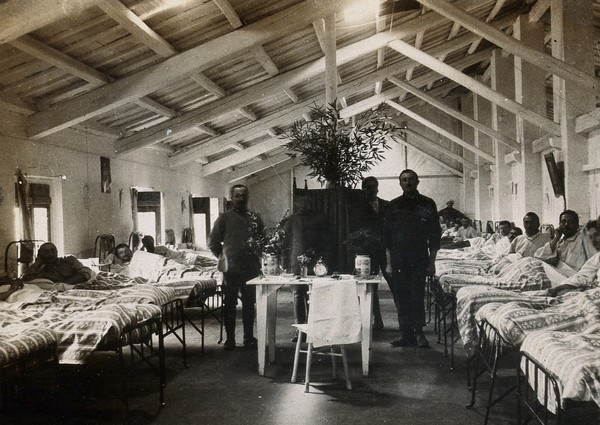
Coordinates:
[412,239]
[229,240]
[372,219]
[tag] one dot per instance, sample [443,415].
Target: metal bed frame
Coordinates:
[211,302]
[529,403]
[36,243]
[12,370]
[494,353]
[139,340]
[444,317]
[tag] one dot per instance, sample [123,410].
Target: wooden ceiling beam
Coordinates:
[431,157]
[538,10]
[263,58]
[94,127]
[62,61]
[241,156]
[154,106]
[229,12]
[247,113]
[455,114]
[273,132]
[292,95]
[445,151]
[281,118]
[207,130]
[138,28]
[208,84]
[20,17]
[285,81]
[418,43]
[56,58]
[441,131]
[332,77]
[490,17]
[373,101]
[511,45]
[171,70]
[15,104]
[475,86]
[248,170]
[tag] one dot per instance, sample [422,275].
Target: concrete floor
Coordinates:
[405,386]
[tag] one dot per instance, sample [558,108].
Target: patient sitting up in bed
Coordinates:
[588,275]
[48,265]
[571,246]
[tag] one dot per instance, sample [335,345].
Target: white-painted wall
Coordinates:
[86,211]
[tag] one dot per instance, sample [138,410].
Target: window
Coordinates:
[205,212]
[39,202]
[149,212]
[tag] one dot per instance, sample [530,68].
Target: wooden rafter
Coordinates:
[274,86]
[475,86]
[511,45]
[282,118]
[441,131]
[454,113]
[138,28]
[20,17]
[229,13]
[445,151]
[171,70]
[261,55]
[391,94]
[256,167]
[208,84]
[241,156]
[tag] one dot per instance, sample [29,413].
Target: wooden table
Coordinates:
[266,314]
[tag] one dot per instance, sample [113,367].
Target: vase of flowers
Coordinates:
[269,245]
[303,261]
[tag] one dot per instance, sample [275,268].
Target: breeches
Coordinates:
[409,293]
[235,284]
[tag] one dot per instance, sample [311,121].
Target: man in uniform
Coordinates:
[412,239]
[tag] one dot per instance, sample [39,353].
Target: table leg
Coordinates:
[271,324]
[266,306]
[365,294]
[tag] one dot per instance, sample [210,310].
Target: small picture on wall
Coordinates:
[105,174]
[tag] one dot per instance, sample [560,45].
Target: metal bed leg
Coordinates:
[161,364]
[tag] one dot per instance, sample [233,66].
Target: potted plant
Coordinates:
[338,152]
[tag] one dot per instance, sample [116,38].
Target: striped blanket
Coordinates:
[573,312]
[192,287]
[524,274]
[573,358]
[82,326]
[471,298]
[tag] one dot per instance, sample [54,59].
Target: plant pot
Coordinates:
[270,265]
[362,265]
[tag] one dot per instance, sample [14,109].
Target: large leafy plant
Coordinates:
[337,151]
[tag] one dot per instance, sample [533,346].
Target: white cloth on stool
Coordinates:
[334,313]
